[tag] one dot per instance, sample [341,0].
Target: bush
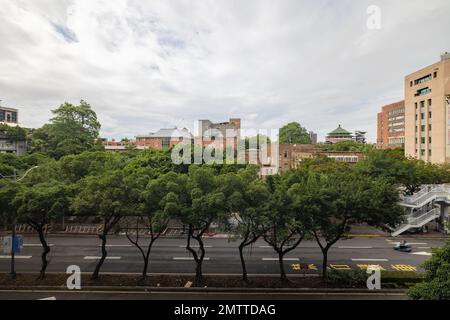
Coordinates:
[347,278]
[437,280]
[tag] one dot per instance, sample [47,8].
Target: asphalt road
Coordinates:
[171,256]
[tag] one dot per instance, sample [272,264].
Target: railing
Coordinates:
[427,194]
[416,221]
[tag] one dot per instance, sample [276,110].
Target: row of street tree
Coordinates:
[319,200]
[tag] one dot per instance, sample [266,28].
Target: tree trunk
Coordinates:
[198,259]
[146,259]
[103,257]
[44,262]
[244,267]
[280,261]
[325,264]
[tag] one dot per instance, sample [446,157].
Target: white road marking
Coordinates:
[412,243]
[116,245]
[16,257]
[423,247]
[370,259]
[265,247]
[423,253]
[36,245]
[276,259]
[189,258]
[49,298]
[98,258]
[344,247]
[196,246]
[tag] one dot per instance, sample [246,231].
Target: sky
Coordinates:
[148,64]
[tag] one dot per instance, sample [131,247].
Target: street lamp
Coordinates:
[13,231]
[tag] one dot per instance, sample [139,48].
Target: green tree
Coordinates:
[207,202]
[437,281]
[72,130]
[37,206]
[110,197]
[286,225]
[337,199]
[348,146]
[294,133]
[158,202]
[246,201]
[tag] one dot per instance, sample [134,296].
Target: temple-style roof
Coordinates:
[339,131]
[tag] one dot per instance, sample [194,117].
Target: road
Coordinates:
[171,256]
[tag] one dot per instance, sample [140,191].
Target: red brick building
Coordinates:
[164,138]
[391,126]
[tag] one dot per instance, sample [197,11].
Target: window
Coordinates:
[422,91]
[422,116]
[422,140]
[165,142]
[2,115]
[14,117]
[429,102]
[429,127]
[429,152]
[423,79]
[435,74]
[429,114]
[422,128]
[429,139]
[422,152]
[416,116]
[410,83]
[415,105]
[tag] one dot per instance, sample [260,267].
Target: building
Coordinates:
[218,133]
[291,155]
[313,137]
[427,112]
[338,135]
[164,138]
[9,116]
[391,126]
[119,146]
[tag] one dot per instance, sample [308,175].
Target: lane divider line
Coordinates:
[98,258]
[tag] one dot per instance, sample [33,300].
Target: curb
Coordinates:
[206,290]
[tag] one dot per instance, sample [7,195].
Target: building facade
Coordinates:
[338,135]
[313,137]
[218,133]
[9,116]
[164,138]
[391,126]
[427,112]
[291,155]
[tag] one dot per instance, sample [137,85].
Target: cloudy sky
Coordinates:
[147,64]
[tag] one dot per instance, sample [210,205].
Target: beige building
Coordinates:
[427,112]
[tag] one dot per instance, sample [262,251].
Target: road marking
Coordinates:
[340,267]
[370,259]
[265,247]
[404,267]
[276,259]
[16,257]
[422,253]
[298,266]
[49,298]
[195,246]
[345,247]
[98,258]
[412,243]
[36,245]
[423,247]
[116,245]
[375,266]
[189,258]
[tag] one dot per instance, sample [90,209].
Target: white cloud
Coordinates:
[143,65]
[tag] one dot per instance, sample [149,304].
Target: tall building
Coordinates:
[218,133]
[391,126]
[10,116]
[338,135]
[427,112]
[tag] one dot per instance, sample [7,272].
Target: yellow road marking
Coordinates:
[340,267]
[365,266]
[404,267]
